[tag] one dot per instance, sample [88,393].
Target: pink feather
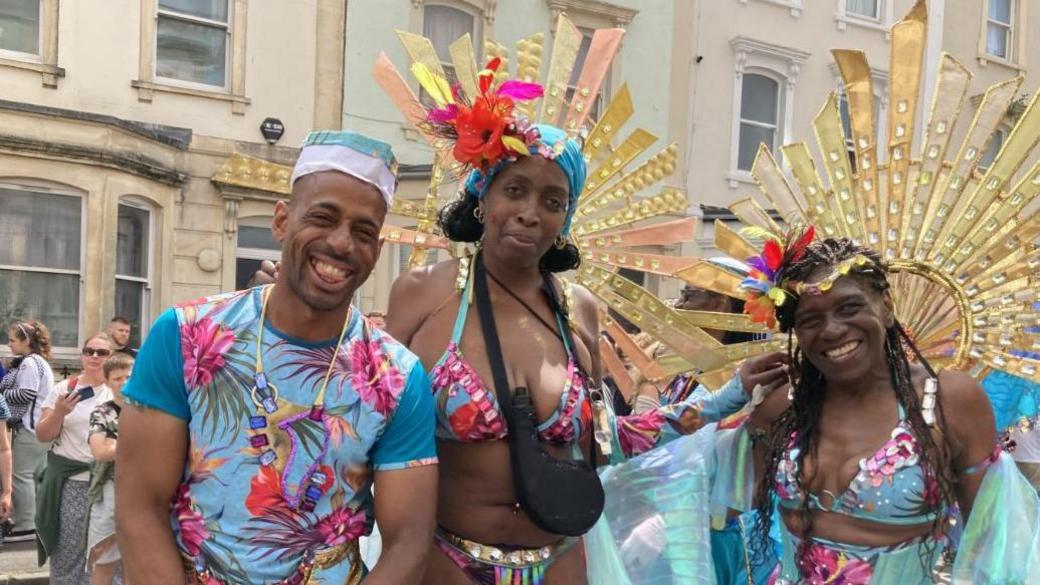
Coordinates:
[443,115]
[521,90]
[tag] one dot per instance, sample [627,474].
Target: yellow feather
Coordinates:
[515,144]
[434,84]
[753,231]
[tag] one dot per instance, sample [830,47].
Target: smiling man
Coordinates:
[260,420]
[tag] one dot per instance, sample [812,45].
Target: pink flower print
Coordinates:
[638,433]
[203,345]
[375,378]
[341,526]
[193,530]
[898,452]
[824,566]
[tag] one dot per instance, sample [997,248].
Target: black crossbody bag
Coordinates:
[561,496]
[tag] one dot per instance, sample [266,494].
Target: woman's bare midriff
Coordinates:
[856,531]
[476,501]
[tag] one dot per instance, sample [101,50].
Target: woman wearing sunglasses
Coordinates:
[61,502]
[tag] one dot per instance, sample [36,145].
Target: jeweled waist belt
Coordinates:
[518,558]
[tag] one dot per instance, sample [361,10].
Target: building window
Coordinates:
[846,124]
[579,64]
[255,244]
[868,9]
[444,25]
[992,149]
[40,259]
[133,266]
[20,26]
[998,28]
[192,39]
[760,109]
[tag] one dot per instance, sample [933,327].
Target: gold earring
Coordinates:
[478,212]
[561,242]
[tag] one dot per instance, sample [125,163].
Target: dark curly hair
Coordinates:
[458,224]
[802,418]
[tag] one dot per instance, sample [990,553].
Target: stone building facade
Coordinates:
[116,116]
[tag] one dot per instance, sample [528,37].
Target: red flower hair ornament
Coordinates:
[486,128]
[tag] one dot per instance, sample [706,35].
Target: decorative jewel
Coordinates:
[268,457]
[560,243]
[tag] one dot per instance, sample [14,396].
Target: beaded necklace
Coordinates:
[264,395]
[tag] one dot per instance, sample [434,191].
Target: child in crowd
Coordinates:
[102,552]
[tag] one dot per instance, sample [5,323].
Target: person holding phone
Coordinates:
[61,501]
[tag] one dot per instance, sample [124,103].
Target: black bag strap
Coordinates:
[494,348]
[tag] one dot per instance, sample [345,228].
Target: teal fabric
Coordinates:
[655,525]
[734,557]
[832,562]
[1001,541]
[1014,400]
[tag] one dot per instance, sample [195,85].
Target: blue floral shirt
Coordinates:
[280,494]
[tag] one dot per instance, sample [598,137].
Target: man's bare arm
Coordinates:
[406,506]
[150,460]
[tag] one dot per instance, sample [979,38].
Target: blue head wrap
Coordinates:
[555,145]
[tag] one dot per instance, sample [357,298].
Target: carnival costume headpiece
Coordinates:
[490,117]
[957,239]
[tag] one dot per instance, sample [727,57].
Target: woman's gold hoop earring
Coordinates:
[478,212]
[560,243]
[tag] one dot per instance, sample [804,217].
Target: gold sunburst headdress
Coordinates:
[615,214]
[959,240]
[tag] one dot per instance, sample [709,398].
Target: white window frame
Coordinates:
[61,352]
[246,253]
[146,298]
[778,128]
[40,40]
[228,27]
[477,33]
[795,6]
[883,23]
[782,64]
[1009,35]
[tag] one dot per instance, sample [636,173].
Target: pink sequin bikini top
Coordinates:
[468,410]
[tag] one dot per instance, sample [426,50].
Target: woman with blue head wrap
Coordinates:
[557,165]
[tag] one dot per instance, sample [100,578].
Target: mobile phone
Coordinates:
[85,392]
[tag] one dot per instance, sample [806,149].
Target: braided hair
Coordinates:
[800,423]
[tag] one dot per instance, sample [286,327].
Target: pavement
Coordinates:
[18,565]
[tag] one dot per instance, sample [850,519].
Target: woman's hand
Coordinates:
[5,504]
[764,370]
[66,404]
